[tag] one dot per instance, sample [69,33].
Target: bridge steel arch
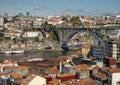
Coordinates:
[71,34]
[63,42]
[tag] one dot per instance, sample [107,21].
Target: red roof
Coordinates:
[48,78]
[66,77]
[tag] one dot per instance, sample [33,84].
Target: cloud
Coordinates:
[40,8]
[7,2]
[115,12]
[37,11]
[68,9]
[74,11]
[18,9]
[80,10]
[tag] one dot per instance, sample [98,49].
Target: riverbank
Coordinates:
[45,50]
[39,53]
[53,50]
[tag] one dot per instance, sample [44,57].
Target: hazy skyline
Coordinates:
[56,7]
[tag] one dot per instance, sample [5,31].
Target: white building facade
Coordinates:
[116,79]
[32,34]
[1,21]
[38,81]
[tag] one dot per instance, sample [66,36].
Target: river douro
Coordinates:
[43,54]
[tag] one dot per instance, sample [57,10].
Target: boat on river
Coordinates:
[14,52]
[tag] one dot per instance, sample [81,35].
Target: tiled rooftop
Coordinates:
[114,70]
[81,66]
[54,82]
[20,81]
[100,75]
[53,70]
[65,75]
[94,67]
[15,75]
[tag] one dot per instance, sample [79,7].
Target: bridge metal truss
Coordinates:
[67,33]
[66,39]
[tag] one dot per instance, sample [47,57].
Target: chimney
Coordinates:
[61,67]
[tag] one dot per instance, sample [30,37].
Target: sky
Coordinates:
[58,7]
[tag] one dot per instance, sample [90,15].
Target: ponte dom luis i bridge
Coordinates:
[65,34]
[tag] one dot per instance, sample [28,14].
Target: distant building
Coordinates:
[1,21]
[54,21]
[66,77]
[81,71]
[32,34]
[113,49]
[81,60]
[12,35]
[5,79]
[114,34]
[9,18]
[113,76]
[118,16]
[10,71]
[97,52]
[37,80]
[32,80]
[109,62]
[116,78]
[10,26]
[53,72]
[85,50]
[94,69]
[38,22]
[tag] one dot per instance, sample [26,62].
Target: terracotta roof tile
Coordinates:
[15,75]
[86,81]
[86,46]
[114,70]
[95,67]
[54,81]
[68,74]
[20,81]
[105,69]
[28,79]
[66,77]
[53,70]
[13,67]
[1,74]
[100,75]
[81,67]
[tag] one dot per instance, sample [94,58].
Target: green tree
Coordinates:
[102,35]
[7,38]
[1,34]
[23,31]
[5,20]
[53,36]
[46,25]
[23,39]
[64,18]
[42,41]
[27,14]
[75,19]
[15,18]
[36,39]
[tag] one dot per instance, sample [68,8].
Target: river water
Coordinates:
[45,54]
